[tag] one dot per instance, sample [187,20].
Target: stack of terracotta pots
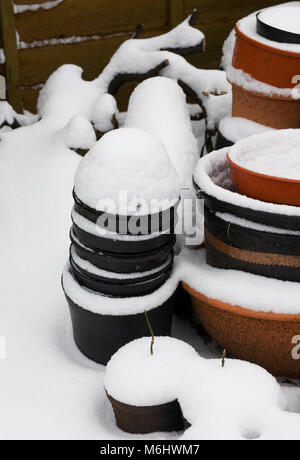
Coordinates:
[119,271]
[265,73]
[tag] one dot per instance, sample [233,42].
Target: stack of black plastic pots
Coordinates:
[120,265]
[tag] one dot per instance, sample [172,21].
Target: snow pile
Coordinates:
[247,25]
[246,81]
[212,175]
[283,18]
[158,105]
[217,108]
[127,161]
[114,306]
[135,377]
[104,110]
[236,128]
[79,133]
[228,49]
[11,118]
[238,401]
[267,294]
[274,154]
[66,94]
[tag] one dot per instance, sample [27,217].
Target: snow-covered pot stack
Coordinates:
[126,196]
[258,238]
[265,67]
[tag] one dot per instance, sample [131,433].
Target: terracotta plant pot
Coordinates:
[263,187]
[160,222]
[99,337]
[151,419]
[270,65]
[123,263]
[232,246]
[261,338]
[275,112]
[122,246]
[122,287]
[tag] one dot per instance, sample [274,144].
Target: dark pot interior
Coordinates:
[274,34]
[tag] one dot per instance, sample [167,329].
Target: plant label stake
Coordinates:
[224,357]
[151,331]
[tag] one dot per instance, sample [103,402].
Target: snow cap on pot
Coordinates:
[128,172]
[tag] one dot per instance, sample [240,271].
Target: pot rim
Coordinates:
[265,28]
[273,96]
[270,49]
[266,177]
[238,310]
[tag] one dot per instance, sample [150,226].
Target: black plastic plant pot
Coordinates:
[99,337]
[232,246]
[283,221]
[151,223]
[150,419]
[273,33]
[222,141]
[137,246]
[128,287]
[123,263]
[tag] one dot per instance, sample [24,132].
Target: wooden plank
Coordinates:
[176,12]
[91,17]
[12,71]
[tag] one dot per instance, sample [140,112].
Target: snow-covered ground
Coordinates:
[48,388]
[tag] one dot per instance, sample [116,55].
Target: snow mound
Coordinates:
[79,133]
[158,105]
[104,110]
[129,161]
[236,128]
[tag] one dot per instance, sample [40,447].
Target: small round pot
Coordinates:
[99,337]
[263,187]
[273,33]
[265,63]
[273,111]
[222,141]
[127,287]
[260,338]
[123,263]
[231,246]
[150,419]
[136,246]
[153,223]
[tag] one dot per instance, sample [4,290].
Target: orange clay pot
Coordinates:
[265,188]
[270,65]
[275,112]
[260,338]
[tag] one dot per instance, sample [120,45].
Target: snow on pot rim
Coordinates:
[212,179]
[252,293]
[280,24]
[104,305]
[88,267]
[234,129]
[96,230]
[130,162]
[247,26]
[149,380]
[275,155]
